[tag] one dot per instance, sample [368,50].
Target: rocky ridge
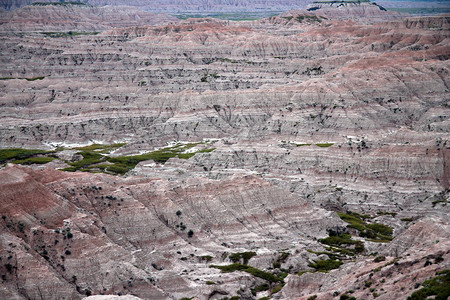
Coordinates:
[354,10]
[307,119]
[174,6]
[79,18]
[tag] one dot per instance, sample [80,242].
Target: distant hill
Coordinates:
[186,5]
[81,18]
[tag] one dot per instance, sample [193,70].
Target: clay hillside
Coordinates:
[301,156]
[182,5]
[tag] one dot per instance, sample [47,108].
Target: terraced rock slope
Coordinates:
[288,157]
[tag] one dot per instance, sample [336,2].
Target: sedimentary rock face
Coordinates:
[229,159]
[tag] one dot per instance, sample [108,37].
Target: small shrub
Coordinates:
[251,270]
[245,256]
[260,288]
[379,258]
[325,265]
[438,286]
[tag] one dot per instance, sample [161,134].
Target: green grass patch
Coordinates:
[374,232]
[89,158]
[277,288]
[325,265]
[18,154]
[341,241]
[438,286]
[101,148]
[407,219]
[94,159]
[251,270]
[39,160]
[302,272]
[260,288]
[245,256]
[340,246]
[280,259]
[300,145]
[324,145]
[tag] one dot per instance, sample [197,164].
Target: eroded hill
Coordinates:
[289,157]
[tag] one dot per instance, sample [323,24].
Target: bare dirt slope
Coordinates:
[288,157]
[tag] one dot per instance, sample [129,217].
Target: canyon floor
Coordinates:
[301,156]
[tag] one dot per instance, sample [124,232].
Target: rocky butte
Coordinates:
[301,156]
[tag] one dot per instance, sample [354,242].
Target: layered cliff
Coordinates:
[288,157]
[174,6]
[79,18]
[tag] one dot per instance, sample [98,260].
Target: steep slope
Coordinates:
[252,157]
[80,18]
[185,6]
[353,10]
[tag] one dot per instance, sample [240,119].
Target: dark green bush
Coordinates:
[251,270]
[245,256]
[260,288]
[325,265]
[379,258]
[19,154]
[438,286]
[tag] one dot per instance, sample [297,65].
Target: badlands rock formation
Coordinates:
[82,18]
[288,157]
[353,10]
[185,5]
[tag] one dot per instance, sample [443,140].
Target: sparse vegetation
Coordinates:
[324,145]
[39,160]
[374,232]
[95,160]
[280,259]
[379,258]
[260,288]
[245,256]
[251,270]
[438,286]
[342,242]
[308,18]
[325,265]
[17,154]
